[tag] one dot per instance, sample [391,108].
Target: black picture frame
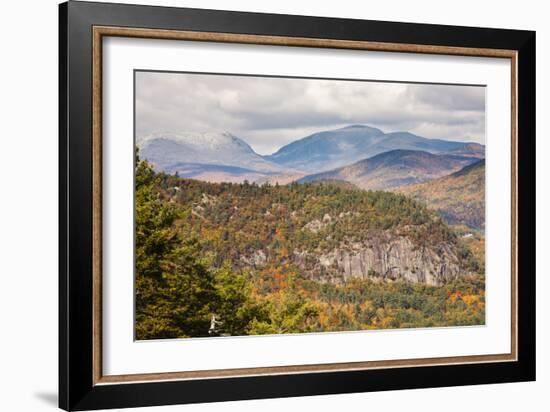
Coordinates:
[77,390]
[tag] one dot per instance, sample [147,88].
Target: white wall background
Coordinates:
[28,205]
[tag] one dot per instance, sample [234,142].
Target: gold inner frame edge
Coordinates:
[101,31]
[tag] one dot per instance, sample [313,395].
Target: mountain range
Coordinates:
[358,154]
[394,168]
[336,148]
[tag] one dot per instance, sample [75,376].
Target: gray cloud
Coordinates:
[271,112]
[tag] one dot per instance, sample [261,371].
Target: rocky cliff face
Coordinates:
[388,258]
[385,257]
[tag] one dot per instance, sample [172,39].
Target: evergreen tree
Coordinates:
[174,289]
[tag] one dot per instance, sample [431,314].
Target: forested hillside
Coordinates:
[238,259]
[459,198]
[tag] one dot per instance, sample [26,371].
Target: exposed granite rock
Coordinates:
[389,260]
[316,225]
[257,259]
[384,257]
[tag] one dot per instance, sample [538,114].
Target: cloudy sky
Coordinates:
[270,112]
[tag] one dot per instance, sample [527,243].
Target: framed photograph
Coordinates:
[256,205]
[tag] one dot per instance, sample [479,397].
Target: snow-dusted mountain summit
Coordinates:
[208,156]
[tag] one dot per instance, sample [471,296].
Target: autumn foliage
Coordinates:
[198,271]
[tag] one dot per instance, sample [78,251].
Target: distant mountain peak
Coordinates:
[212,139]
[193,153]
[327,149]
[401,153]
[358,126]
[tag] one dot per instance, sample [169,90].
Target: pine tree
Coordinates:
[174,289]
